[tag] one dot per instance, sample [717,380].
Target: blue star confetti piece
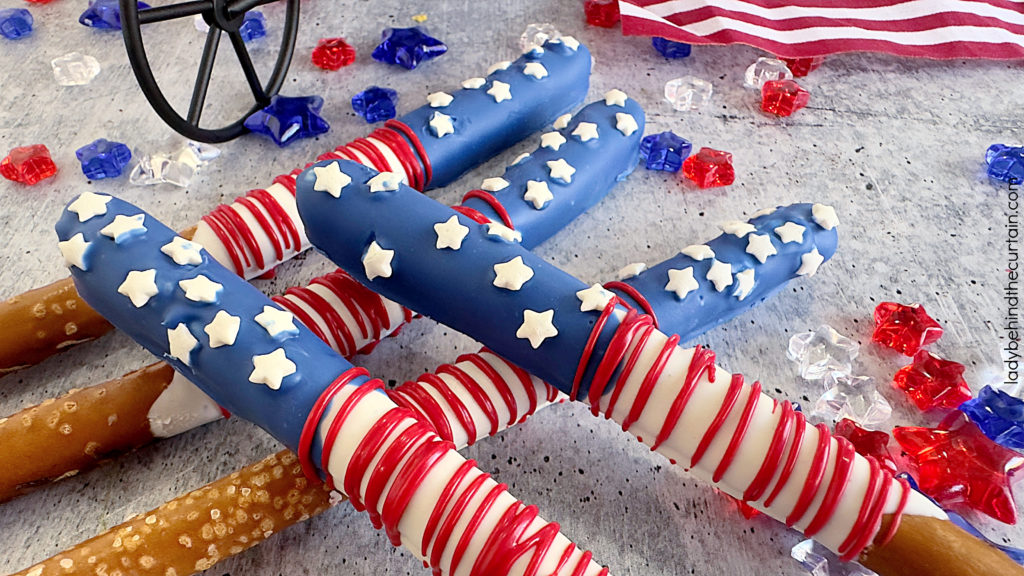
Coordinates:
[999,415]
[287,119]
[664,151]
[105,14]
[103,159]
[253,26]
[670,49]
[15,23]
[407,47]
[1005,163]
[375,104]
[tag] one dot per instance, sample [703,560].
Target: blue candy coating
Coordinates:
[1005,163]
[254,25]
[670,49]
[999,415]
[407,47]
[105,14]
[103,159]
[15,23]
[665,151]
[375,104]
[286,120]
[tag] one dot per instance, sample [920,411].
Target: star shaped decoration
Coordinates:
[377,261]
[183,252]
[181,343]
[681,282]
[503,65]
[473,83]
[450,233]
[271,369]
[933,382]
[201,289]
[744,284]
[593,298]
[538,192]
[809,263]
[958,465]
[760,246]
[630,270]
[825,216]
[500,91]
[441,124]
[407,47]
[585,131]
[495,230]
[512,275]
[698,252]
[223,330]
[519,159]
[124,227]
[562,121]
[615,97]
[330,179]
[720,274]
[537,327]
[903,328]
[74,250]
[384,182]
[278,323]
[286,120]
[553,140]
[89,205]
[852,397]
[535,69]
[874,443]
[790,232]
[560,170]
[494,184]
[999,415]
[139,286]
[570,43]
[625,123]
[737,228]
[439,99]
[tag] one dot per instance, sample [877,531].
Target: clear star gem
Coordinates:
[181,343]
[825,216]
[737,228]
[124,227]
[593,298]
[513,274]
[500,91]
[615,97]
[330,179]
[535,69]
[278,323]
[853,397]
[74,250]
[822,351]
[183,252]
[561,170]
[139,286]
[744,284]
[441,124]
[538,192]
[720,274]
[271,369]
[201,289]
[760,246]
[439,99]
[790,232]
[553,140]
[698,252]
[809,263]
[377,261]
[385,182]
[537,327]
[585,131]
[450,233]
[89,205]
[625,123]
[681,282]
[223,330]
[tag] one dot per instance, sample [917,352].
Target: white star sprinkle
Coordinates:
[450,233]
[494,184]
[790,232]
[615,97]
[625,123]
[513,274]
[537,327]
[562,121]
[183,252]
[503,65]
[223,330]
[538,192]
[760,246]
[762,212]
[139,286]
[561,170]
[720,274]
[553,140]
[681,282]
[384,182]
[744,284]
[504,232]
[439,99]
[330,179]
[570,43]
[737,228]
[809,263]
[519,159]
[825,216]
[377,261]
[473,83]
[535,69]
[73,250]
[201,289]
[271,369]
[594,298]
[698,252]
[441,124]
[181,343]
[124,227]
[585,131]
[500,91]
[278,323]
[89,205]
[630,270]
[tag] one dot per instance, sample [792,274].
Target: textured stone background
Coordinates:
[895,145]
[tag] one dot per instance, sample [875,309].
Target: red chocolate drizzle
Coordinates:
[489,199]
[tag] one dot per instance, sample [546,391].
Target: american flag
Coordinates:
[805,28]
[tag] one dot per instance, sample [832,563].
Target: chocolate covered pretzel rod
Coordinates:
[584,342]
[261,229]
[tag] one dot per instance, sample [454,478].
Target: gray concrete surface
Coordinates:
[895,145]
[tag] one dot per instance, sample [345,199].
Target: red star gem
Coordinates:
[866,442]
[959,465]
[932,382]
[905,329]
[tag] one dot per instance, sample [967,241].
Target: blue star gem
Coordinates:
[665,151]
[15,23]
[407,47]
[1005,163]
[286,119]
[254,26]
[670,49]
[103,159]
[999,415]
[105,14]
[375,103]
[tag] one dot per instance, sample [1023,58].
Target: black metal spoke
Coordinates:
[195,107]
[236,7]
[247,67]
[174,11]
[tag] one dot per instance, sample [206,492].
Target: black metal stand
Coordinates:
[222,16]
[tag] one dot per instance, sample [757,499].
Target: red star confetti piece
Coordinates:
[932,382]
